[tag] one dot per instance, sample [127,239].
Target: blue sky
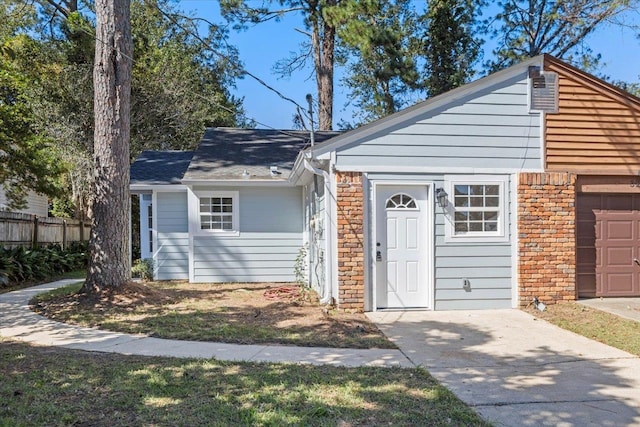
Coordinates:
[263,45]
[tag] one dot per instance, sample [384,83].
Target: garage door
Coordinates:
[608,236]
[617,264]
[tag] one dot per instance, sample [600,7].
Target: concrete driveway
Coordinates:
[515,370]
[628,308]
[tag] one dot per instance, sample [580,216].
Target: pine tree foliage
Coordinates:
[27,162]
[379,41]
[450,48]
[397,54]
[180,81]
[527,28]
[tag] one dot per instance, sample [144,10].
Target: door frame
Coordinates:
[430,231]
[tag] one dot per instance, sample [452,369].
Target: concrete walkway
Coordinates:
[17,321]
[515,370]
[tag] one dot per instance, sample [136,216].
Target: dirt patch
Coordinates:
[237,313]
[131,295]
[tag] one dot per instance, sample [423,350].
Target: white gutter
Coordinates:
[267,182]
[148,188]
[324,299]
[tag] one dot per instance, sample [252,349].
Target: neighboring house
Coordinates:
[522,184]
[36,204]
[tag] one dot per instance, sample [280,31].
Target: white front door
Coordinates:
[402,247]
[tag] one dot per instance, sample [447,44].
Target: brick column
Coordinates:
[350,244]
[546,234]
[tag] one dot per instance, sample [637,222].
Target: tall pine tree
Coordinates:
[379,43]
[109,263]
[450,49]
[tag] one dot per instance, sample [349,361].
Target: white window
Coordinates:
[218,212]
[150,226]
[401,201]
[478,209]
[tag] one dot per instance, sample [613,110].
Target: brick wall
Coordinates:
[546,233]
[350,225]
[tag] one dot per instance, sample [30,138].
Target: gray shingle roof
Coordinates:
[160,167]
[225,153]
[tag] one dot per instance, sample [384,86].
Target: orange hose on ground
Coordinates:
[282,292]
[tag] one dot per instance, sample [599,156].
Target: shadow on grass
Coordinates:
[44,386]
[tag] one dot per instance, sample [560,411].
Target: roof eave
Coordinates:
[277,182]
[594,82]
[146,187]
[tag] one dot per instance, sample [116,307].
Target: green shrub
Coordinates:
[300,266]
[143,268]
[22,264]
[6,270]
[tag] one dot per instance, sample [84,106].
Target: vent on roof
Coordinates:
[543,90]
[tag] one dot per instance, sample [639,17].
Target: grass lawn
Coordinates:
[50,387]
[233,313]
[594,324]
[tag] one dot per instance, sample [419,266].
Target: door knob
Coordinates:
[636,261]
[378,256]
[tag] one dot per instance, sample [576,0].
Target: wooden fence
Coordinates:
[18,229]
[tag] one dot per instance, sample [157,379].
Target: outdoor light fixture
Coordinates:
[441,197]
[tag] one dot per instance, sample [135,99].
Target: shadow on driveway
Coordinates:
[516,370]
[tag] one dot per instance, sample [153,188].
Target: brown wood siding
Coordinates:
[597,128]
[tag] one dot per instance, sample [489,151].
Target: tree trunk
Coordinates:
[325,79]
[109,264]
[323,45]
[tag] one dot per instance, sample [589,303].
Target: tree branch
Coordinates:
[230,60]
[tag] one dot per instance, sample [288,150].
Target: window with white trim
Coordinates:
[218,211]
[479,209]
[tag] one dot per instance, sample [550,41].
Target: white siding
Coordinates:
[489,129]
[171,248]
[269,239]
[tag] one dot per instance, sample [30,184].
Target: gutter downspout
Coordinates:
[324,299]
[312,235]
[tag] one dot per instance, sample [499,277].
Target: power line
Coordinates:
[225,57]
[300,112]
[197,94]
